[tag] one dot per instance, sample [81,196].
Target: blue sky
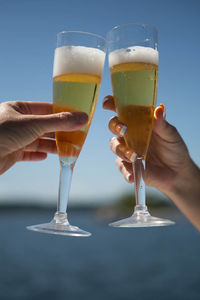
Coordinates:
[28,36]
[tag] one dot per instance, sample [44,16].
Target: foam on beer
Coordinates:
[133,54]
[78,59]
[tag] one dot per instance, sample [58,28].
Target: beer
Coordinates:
[76,83]
[134,79]
[139,119]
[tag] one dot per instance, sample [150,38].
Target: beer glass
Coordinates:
[133,63]
[78,66]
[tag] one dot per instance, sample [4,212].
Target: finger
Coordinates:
[118,146]
[160,112]
[126,169]
[108,103]
[63,121]
[42,145]
[162,128]
[117,127]
[33,156]
[34,107]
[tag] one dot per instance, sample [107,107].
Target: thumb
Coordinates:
[64,121]
[162,128]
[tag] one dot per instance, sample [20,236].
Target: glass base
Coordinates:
[142,218]
[59,225]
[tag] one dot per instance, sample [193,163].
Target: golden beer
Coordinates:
[76,87]
[71,93]
[135,90]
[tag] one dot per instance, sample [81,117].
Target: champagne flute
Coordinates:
[78,66]
[133,62]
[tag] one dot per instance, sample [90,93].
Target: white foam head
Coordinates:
[133,54]
[78,59]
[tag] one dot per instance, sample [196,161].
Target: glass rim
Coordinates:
[82,32]
[131,24]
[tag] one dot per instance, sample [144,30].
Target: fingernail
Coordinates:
[160,112]
[83,117]
[123,130]
[164,114]
[130,155]
[128,176]
[164,111]
[107,97]
[133,157]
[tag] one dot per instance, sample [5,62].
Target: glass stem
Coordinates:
[64,187]
[140,195]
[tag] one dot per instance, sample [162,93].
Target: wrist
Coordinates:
[186,180]
[185,193]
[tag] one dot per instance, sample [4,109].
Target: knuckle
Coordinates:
[20,106]
[63,116]
[173,131]
[16,103]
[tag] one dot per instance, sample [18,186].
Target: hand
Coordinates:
[27,129]
[168,164]
[167,156]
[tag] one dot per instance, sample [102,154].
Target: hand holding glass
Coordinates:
[78,65]
[133,62]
